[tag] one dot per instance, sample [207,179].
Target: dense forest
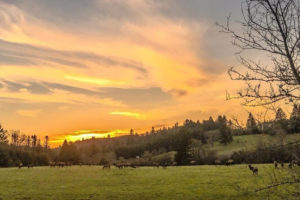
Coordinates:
[186,144]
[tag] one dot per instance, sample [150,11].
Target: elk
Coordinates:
[106,166]
[229,162]
[119,165]
[30,165]
[253,169]
[275,164]
[52,164]
[291,164]
[61,164]
[20,165]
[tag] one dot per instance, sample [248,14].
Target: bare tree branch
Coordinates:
[271,28]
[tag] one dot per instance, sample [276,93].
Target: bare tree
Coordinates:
[33,141]
[15,137]
[269,28]
[22,139]
[272,28]
[3,135]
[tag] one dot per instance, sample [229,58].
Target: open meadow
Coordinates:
[173,183]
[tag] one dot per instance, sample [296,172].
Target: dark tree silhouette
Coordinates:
[3,135]
[280,115]
[295,119]
[225,132]
[33,141]
[251,125]
[46,142]
[15,135]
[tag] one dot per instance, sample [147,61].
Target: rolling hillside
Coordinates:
[251,141]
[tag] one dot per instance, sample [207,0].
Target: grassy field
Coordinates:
[173,183]
[250,142]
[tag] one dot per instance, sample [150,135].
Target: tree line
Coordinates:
[191,143]
[22,149]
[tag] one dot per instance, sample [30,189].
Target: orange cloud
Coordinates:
[28,113]
[128,114]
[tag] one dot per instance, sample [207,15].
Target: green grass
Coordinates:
[173,183]
[250,142]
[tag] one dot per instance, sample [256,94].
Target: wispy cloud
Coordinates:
[95,81]
[28,113]
[24,54]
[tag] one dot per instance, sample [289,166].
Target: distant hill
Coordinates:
[249,142]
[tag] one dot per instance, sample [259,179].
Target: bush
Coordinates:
[4,157]
[165,159]
[103,161]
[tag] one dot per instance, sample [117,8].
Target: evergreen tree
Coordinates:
[281,122]
[294,122]
[251,126]
[280,115]
[152,130]
[46,142]
[69,153]
[209,124]
[64,151]
[225,135]
[225,131]
[296,111]
[131,132]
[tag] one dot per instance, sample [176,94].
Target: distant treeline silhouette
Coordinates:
[190,143]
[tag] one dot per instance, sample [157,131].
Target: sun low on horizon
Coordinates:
[80,69]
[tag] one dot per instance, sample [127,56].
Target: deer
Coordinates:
[275,164]
[20,165]
[253,169]
[106,166]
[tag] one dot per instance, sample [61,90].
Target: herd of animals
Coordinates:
[291,164]
[122,165]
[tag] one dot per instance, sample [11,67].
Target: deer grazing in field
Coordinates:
[119,165]
[253,169]
[52,164]
[30,165]
[229,162]
[20,165]
[106,166]
[276,164]
[292,164]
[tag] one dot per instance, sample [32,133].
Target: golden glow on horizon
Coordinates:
[86,134]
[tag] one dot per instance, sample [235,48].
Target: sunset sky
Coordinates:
[82,68]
